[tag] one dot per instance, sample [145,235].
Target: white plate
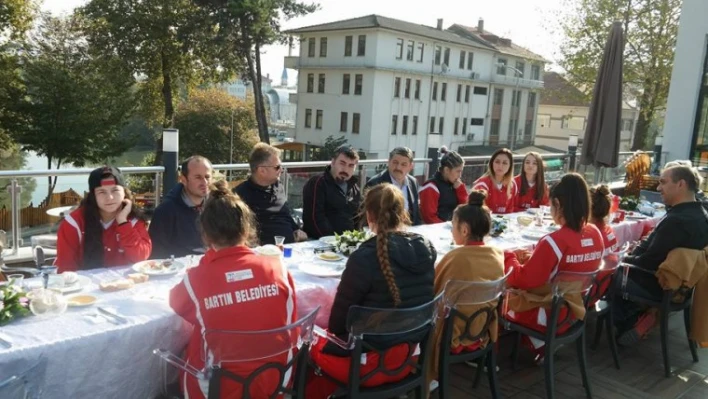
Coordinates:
[329,240]
[322,270]
[142,267]
[321,257]
[636,216]
[553,228]
[81,300]
[534,235]
[76,286]
[268,250]
[533,211]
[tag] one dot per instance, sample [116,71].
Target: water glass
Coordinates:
[279,241]
[16,280]
[287,252]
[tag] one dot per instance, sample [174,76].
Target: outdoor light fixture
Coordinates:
[572,151]
[573,141]
[656,167]
[170,156]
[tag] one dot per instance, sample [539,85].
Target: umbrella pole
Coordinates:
[596,176]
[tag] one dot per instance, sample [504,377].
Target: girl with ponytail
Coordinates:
[473,261]
[213,296]
[393,269]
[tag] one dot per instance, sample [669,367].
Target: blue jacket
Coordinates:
[173,229]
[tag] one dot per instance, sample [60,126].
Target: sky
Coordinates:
[529,23]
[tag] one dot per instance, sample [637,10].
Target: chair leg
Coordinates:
[598,331]
[664,321]
[443,378]
[421,391]
[515,351]
[492,373]
[582,358]
[478,374]
[549,372]
[687,324]
[612,339]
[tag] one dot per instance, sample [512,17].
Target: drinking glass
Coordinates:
[279,241]
[17,280]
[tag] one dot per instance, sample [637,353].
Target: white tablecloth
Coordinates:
[88,357]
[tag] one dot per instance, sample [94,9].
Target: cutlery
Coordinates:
[112,314]
[5,342]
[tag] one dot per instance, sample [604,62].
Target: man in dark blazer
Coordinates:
[400,164]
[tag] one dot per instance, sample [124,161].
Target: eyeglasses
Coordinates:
[276,167]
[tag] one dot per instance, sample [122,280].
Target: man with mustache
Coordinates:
[400,165]
[331,200]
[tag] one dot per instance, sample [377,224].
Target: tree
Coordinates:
[326,152]
[71,106]
[248,25]
[205,121]
[16,17]
[169,44]
[650,28]
[14,159]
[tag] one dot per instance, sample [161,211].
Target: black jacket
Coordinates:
[173,229]
[684,226]
[270,206]
[413,203]
[326,209]
[412,258]
[447,196]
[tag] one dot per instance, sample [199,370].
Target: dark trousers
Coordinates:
[626,313]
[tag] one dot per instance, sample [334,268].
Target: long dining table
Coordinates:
[85,354]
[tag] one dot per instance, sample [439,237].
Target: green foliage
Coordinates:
[14,159]
[326,152]
[204,121]
[650,28]
[16,17]
[13,303]
[142,183]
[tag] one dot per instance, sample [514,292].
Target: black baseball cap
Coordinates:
[98,175]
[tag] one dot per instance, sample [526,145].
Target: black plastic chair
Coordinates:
[601,302]
[233,347]
[564,283]
[456,295]
[666,307]
[412,326]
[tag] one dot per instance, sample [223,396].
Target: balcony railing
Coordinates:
[292,62]
[515,81]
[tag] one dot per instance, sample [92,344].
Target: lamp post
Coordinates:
[170,156]
[518,75]
[572,151]
[658,143]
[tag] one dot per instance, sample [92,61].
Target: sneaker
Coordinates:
[645,323]
[433,385]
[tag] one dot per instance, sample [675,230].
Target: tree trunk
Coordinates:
[263,118]
[646,114]
[51,183]
[168,118]
[253,76]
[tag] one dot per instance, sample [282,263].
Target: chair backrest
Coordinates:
[362,320]
[564,286]
[279,350]
[608,269]
[26,383]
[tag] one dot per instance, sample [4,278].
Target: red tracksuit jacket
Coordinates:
[497,199]
[234,289]
[609,259]
[528,200]
[562,250]
[122,245]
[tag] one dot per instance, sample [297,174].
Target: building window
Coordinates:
[470,59]
[397,87]
[521,66]
[409,50]
[535,72]
[459,93]
[516,98]
[482,91]
[348,46]
[462,59]
[321,83]
[432,125]
[478,122]
[467,93]
[308,117]
[323,47]
[441,124]
[311,47]
[355,122]
[435,91]
[532,100]
[627,124]
[346,83]
[457,126]
[399,49]
[394,124]
[438,54]
[420,51]
[443,92]
[498,96]
[361,46]
[407,93]
[414,128]
[446,59]
[528,132]
[501,66]
[417,89]
[343,122]
[318,119]
[358,83]
[404,126]
[464,126]
[494,128]
[310,82]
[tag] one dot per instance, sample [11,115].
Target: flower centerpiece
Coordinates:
[499,225]
[349,241]
[629,203]
[13,303]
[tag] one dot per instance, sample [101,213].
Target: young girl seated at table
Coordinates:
[440,195]
[498,182]
[393,269]
[576,247]
[208,296]
[599,216]
[105,230]
[474,261]
[531,183]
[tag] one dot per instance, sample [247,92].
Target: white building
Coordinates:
[686,123]
[383,83]
[241,87]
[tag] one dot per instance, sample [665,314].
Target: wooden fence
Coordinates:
[37,215]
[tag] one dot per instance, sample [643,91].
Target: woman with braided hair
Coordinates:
[393,269]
